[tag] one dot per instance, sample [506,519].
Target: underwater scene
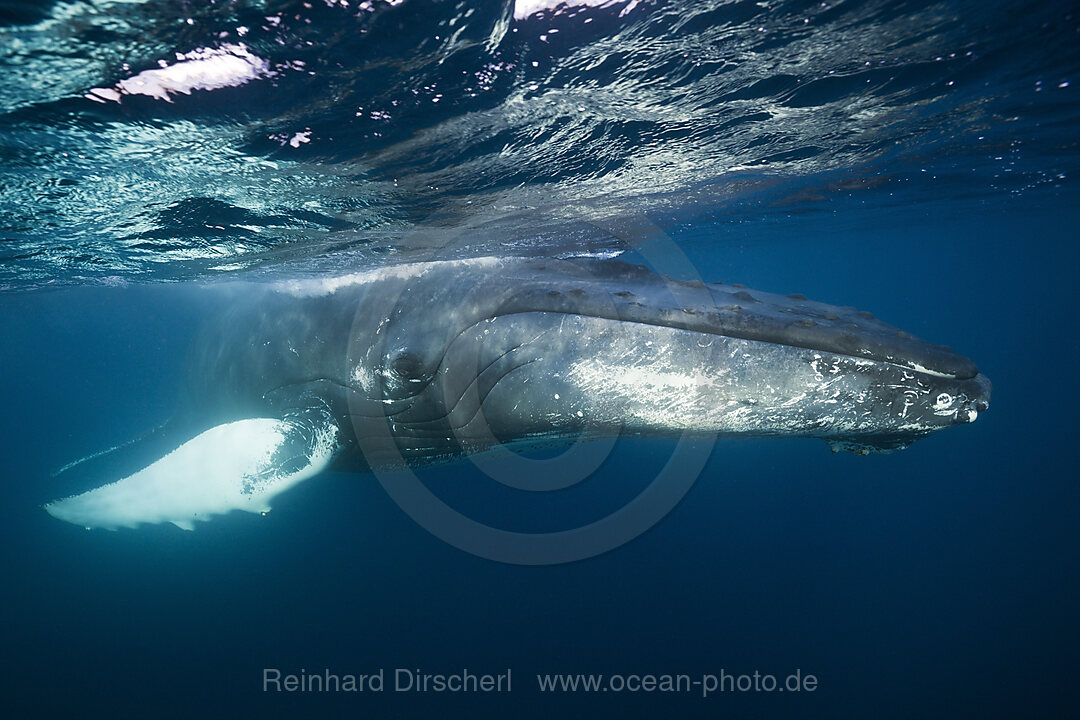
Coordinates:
[539,358]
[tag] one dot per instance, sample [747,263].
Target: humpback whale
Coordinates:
[426,362]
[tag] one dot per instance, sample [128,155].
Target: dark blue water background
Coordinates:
[914,159]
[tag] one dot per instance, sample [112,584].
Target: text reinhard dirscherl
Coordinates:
[466,681]
[400,680]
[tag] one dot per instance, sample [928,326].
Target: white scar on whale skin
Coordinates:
[236,466]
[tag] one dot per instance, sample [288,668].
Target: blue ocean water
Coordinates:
[917,159]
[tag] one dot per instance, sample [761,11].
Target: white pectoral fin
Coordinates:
[241,465]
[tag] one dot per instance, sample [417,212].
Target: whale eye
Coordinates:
[408,367]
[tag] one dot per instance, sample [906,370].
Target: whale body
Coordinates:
[426,362]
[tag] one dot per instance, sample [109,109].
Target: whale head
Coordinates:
[460,361]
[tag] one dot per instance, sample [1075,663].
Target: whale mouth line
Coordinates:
[635,294]
[774,339]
